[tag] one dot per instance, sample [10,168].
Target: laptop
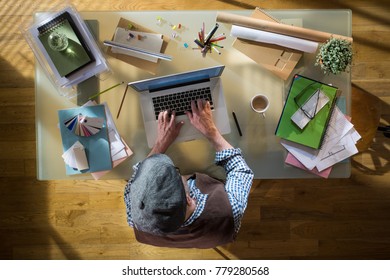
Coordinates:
[185,85]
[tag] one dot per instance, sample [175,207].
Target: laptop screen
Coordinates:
[176,80]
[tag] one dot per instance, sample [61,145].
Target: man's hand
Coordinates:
[201,118]
[167,132]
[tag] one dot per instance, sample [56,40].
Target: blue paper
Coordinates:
[97,147]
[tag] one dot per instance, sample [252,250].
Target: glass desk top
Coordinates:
[241,80]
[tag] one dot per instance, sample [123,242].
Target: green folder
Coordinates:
[302,88]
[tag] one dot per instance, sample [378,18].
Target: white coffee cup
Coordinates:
[259,104]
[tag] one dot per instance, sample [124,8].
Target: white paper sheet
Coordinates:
[75,157]
[338,144]
[148,41]
[343,150]
[274,38]
[299,117]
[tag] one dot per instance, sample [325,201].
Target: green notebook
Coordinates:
[303,88]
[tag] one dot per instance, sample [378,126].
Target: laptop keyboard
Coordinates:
[180,102]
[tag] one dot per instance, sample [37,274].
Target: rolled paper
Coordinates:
[280,28]
[274,38]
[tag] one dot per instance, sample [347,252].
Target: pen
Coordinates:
[211,33]
[219,36]
[199,43]
[200,36]
[110,88]
[218,39]
[215,49]
[205,49]
[237,124]
[216,45]
[203,28]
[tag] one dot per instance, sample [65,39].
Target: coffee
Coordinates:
[259,103]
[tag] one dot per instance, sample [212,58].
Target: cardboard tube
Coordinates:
[275,27]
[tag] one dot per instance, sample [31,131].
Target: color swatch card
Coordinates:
[75,157]
[84,130]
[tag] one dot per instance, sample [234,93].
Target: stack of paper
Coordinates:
[96,146]
[98,152]
[339,144]
[119,150]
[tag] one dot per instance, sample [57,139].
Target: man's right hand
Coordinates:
[201,118]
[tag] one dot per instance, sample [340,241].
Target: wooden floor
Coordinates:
[285,219]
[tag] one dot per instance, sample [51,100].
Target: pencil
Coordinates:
[237,124]
[216,45]
[110,88]
[199,43]
[123,99]
[210,34]
[217,39]
[215,49]
[218,36]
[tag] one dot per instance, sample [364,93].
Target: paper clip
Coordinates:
[174,27]
[130,36]
[160,20]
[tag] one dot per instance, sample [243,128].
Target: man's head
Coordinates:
[158,199]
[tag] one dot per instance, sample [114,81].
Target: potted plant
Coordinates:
[334,56]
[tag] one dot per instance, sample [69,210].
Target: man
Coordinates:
[170,210]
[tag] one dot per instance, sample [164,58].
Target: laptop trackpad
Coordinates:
[188,131]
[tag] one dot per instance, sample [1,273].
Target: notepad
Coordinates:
[143,40]
[65,45]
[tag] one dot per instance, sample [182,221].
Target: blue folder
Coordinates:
[97,146]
